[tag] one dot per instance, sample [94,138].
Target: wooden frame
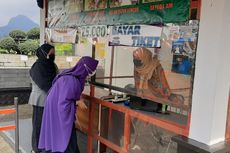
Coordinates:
[168,125]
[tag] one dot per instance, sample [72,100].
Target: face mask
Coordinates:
[51,57]
[137,63]
[90,72]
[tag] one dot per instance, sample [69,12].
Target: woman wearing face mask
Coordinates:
[42,74]
[58,129]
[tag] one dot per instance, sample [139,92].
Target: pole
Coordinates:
[17,126]
[111,69]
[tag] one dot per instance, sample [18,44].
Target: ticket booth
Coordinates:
[144,97]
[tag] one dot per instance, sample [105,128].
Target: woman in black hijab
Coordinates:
[42,74]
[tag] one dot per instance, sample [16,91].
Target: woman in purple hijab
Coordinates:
[58,131]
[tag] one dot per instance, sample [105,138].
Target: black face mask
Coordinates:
[137,63]
[52,57]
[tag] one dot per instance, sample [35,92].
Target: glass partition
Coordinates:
[154,79]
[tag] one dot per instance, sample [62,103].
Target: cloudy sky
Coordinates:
[12,8]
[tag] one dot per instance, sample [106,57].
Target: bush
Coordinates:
[28,47]
[8,44]
[3,51]
[33,33]
[17,35]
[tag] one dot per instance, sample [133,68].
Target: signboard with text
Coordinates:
[167,11]
[135,35]
[93,31]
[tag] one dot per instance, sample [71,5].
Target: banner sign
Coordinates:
[61,35]
[135,35]
[164,11]
[93,31]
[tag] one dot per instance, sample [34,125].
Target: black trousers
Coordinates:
[72,146]
[36,127]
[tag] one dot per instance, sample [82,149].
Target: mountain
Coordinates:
[19,22]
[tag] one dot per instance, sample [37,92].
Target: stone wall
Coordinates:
[14,77]
[14,61]
[14,82]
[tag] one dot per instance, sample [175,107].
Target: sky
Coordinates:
[12,8]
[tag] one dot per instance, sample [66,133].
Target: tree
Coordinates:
[33,33]
[28,47]
[8,44]
[17,35]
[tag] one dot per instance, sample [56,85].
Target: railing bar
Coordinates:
[7,111]
[8,127]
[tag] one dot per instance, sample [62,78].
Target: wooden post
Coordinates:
[127,132]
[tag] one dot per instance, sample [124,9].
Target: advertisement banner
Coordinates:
[135,35]
[167,11]
[61,35]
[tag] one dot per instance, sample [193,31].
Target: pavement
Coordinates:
[7,139]
[25,128]
[4,146]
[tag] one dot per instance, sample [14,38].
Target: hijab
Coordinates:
[84,67]
[44,70]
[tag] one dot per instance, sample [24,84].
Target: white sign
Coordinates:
[135,35]
[62,35]
[94,31]
[69,59]
[24,58]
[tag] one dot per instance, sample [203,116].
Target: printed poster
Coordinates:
[61,35]
[95,4]
[100,50]
[147,1]
[118,3]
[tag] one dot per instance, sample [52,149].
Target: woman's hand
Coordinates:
[81,104]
